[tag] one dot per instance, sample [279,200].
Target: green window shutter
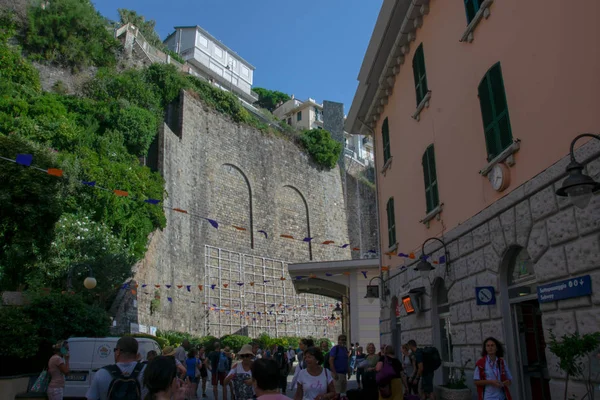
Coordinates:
[385,133]
[432,198]
[391,218]
[471,7]
[494,112]
[299,116]
[419,74]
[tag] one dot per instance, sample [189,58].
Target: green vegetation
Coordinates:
[51,224]
[322,148]
[234,342]
[70,33]
[573,351]
[47,318]
[269,99]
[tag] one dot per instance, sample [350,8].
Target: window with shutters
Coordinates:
[418,65]
[385,133]
[299,116]
[494,112]
[391,222]
[471,8]
[431,187]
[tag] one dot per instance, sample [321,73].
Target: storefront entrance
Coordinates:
[531,359]
[525,345]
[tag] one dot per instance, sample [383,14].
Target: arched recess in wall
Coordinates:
[441,329]
[294,220]
[234,201]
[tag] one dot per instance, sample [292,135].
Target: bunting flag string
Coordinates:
[26,160]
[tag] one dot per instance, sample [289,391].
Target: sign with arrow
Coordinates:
[572,287]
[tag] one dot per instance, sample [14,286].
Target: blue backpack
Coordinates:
[223,365]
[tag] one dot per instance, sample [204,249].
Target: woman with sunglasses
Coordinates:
[241,375]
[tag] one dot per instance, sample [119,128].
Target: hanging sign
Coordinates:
[566,289]
[485,295]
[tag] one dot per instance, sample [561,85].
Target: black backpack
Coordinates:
[282,363]
[431,359]
[124,387]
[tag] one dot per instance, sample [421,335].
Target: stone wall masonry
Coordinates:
[562,242]
[240,177]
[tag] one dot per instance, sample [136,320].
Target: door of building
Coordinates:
[531,357]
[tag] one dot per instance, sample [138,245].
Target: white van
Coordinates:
[88,355]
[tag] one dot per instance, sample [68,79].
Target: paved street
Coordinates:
[289,393]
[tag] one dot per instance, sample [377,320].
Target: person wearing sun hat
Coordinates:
[241,374]
[169,351]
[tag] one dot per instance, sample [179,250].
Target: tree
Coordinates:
[270,99]
[147,28]
[30,204]
[321,147]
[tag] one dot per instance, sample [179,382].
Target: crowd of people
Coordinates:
[320,373]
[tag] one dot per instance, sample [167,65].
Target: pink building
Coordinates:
[472,106]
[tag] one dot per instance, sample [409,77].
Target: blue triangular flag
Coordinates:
[170,299]
[152,201]
[214,223]
[92,183]
[364,274]
[24,159]
[307,239]
[442,259]
[188,287]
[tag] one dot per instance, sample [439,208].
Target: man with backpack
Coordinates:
[280,356]
[428,360]
[122,380]
[338,362]
[219,367]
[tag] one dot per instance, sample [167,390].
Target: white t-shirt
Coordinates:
[239,369]
[101,381]
[312,386]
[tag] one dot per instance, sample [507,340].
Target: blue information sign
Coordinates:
[573,287]
[485,295]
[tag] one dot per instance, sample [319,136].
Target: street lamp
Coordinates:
[337,309]
[373,290]
[89,282]
[578,187]
[424,266]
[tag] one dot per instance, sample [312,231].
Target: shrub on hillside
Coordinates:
[71,33]
[324,150]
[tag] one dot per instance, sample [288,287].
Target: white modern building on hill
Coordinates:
[213,60]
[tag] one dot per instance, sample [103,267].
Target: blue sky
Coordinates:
[301,48]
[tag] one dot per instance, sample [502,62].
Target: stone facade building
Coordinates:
[472,124]
[256,187]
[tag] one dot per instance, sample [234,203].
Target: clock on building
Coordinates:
[499,177]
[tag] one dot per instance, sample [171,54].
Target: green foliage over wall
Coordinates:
[47,318]
[322,148]
[70,33]
[30,205]
[95,139]
[269,99]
